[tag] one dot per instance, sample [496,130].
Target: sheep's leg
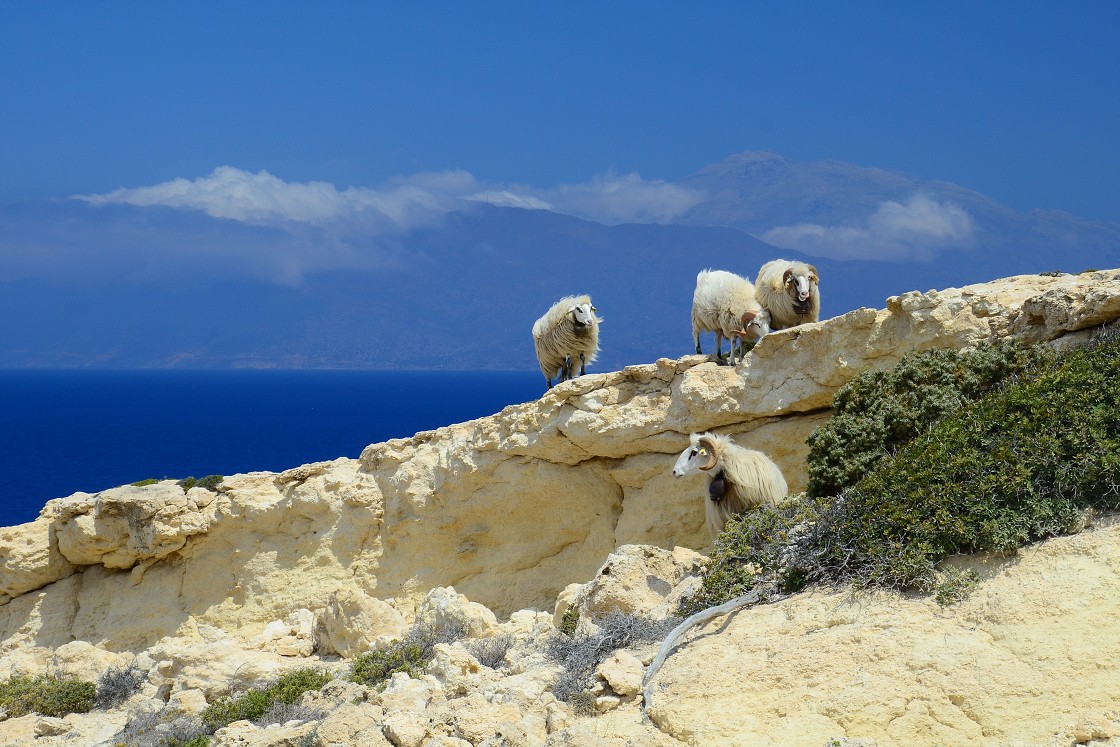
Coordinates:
[719,347]
[696,337]
[566,369]
[582,365]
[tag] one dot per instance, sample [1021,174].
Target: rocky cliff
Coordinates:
[204,589]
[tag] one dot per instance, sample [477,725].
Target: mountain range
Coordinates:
[94,284]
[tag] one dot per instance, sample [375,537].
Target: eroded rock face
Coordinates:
[508,509]
[1023,660]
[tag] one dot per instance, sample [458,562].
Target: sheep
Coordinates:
[742,479]
[789,291]
[568,331]
[725,303]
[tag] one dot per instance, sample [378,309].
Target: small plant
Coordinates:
[166,727]
[582,703]
[410,655]
[581,653]
[263,705]
[144,483]
[210,482]
[46,695]
[569,621]
[954,585]
[117,685]
[490,652]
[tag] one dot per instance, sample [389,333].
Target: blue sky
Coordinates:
[1017,100]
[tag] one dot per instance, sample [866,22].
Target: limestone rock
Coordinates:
[353,723]
[84,661]
[1019,661]
[445,608]
[405,728]
[623,672]
[635,579]
[29,557]
[354,622]
[293,636]
[48,726]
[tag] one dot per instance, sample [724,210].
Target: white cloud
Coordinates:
[615,199]
[418,200]
[917,229]
[281,231]
[263,199]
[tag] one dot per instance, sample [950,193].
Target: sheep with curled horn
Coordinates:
[725,303]
[739,479]
[565,336]
[789,290]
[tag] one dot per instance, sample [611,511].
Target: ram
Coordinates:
[725,303]
[739,479]
[790,292]
[565,336]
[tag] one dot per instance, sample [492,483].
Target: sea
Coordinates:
[64,431]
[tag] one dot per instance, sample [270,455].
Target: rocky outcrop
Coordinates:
[509,510]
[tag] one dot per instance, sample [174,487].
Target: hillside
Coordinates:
[567,503]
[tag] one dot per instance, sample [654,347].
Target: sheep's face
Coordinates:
[755,324]
[583,315]
[696,458]
[800,288]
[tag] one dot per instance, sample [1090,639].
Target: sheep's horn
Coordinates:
[787,276]
[813,274]
[710,445]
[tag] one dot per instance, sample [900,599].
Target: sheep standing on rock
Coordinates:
[568,332]
[725,303]
[789,292]
[742,479]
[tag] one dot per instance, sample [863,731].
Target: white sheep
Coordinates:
[567,332]
[741,479]
[725,303]
[789,291]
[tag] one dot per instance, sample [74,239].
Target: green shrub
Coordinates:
[46,695]
[210,482]
[410,655]
[878,411]
[254,705]
[1020,464]
[954,585]
[249,706]
[376,667]
[144,483]
[569,621]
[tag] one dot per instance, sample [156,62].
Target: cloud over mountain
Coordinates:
[897,231]
[404,204]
